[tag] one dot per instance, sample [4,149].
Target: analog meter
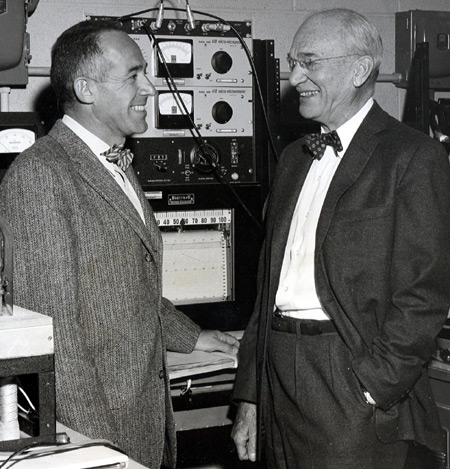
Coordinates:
[170,104]
[178,58]
[18,131]
[16,140]
[171,113]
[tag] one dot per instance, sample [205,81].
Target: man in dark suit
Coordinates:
[353,278]
[88,251]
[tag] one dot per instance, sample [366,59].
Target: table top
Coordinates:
[76,437]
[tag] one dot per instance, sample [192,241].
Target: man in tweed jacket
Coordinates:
[88,251]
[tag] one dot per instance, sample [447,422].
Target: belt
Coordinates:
[301,326]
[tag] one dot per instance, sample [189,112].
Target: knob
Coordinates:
[204,158]
[222,112]
[221,62]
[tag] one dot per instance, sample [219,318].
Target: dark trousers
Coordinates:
[317,416]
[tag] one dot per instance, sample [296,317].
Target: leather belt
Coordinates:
[301,326]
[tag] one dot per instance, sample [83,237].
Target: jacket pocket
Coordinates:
[371,213]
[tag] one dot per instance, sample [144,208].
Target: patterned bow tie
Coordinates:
[317,143]
[119,155]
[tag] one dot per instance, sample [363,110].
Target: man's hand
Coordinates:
[244,431]
[216,341]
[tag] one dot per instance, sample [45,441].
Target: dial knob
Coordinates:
[221,62]
[204,158]
[222,112]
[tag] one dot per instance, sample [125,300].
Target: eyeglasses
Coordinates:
[310,64]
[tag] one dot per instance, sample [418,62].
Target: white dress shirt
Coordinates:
[98,146]
[296,295]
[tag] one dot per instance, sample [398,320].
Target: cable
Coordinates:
[201,143]
[172,85]
[190,18]
[247,52]
[52,448]
[27,398]
[17,454]
[159,17]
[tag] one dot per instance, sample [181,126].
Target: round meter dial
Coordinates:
[16,140]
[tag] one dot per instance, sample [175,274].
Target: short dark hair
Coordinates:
[77,52]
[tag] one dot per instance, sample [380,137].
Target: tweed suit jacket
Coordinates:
[83,256]
[382,263]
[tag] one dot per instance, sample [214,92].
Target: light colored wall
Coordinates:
[271,19]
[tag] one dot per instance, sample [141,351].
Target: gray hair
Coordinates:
[358,35]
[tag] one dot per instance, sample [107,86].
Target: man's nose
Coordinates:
[147,87]
[297,75]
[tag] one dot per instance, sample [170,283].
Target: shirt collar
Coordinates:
[348,130]
[96,144]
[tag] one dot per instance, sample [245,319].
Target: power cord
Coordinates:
[52,448]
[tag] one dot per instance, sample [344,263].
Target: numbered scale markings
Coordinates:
[193,217]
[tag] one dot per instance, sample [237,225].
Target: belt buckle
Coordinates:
[310,328]
[277,313]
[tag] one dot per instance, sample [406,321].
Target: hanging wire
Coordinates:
[203,147]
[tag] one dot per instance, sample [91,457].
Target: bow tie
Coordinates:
[119,155]
[317,143]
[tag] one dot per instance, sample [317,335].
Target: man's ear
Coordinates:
[82,87]
[362,70]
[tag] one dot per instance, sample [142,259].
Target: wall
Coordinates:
[271,19]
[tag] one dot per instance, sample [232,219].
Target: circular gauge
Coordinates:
[16,140]
[176,52]
[170,106]
[204,158]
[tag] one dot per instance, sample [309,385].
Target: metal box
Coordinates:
[417,26]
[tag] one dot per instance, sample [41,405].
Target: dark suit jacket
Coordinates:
[382,265]
[83,256]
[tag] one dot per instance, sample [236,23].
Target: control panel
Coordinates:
[200,123]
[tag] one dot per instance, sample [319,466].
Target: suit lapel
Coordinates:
[96,176]
[149,217]
[355,159]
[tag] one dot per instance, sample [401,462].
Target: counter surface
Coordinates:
[76,437]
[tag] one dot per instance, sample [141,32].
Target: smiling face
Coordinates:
[118,107]
[327,94]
